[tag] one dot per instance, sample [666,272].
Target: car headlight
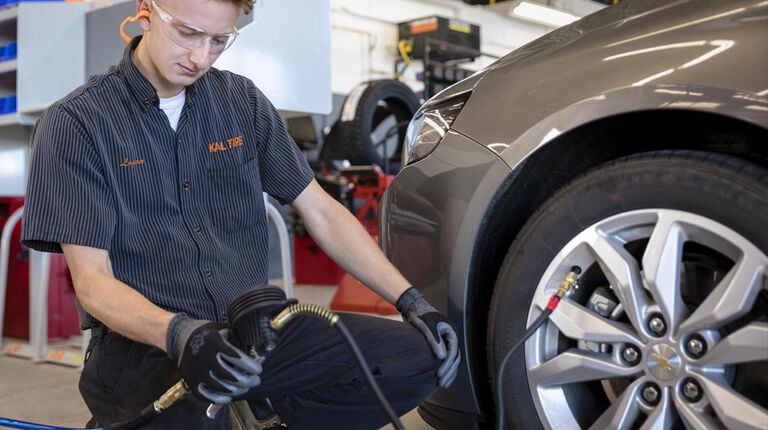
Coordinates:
[428,127]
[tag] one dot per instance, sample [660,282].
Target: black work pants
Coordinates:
[311,378]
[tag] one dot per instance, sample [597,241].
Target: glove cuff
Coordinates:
[413,301]
[406,299]
[174,340]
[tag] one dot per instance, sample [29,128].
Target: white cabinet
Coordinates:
[50,63]
[51,54]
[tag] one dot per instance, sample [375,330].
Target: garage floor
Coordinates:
[47,393]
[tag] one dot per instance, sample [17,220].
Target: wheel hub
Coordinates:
[664,362]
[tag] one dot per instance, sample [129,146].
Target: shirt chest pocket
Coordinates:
[235,201]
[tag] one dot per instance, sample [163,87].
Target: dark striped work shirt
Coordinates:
[181,213]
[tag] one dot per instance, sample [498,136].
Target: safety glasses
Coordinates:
[190,37]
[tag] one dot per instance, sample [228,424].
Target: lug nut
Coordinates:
[692,390]
[696,346]
[651,394]
[631,355]
[657,325]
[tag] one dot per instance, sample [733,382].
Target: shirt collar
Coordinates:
[142,89]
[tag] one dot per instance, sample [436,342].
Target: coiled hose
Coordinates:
[331,318]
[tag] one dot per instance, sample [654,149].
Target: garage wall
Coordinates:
[364,33]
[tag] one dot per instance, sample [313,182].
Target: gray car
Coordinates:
[634,145]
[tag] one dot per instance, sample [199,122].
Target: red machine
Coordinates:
[359,188]
[62,314]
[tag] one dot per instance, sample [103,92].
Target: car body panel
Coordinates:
[425,235]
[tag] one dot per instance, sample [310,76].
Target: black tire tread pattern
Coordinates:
[351,140]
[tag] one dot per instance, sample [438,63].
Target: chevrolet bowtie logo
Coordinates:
[663,362]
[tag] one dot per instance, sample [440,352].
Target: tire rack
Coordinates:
[38,349]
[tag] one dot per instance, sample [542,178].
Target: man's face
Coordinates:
[177,65]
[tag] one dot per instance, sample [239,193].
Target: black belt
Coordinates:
[98,329]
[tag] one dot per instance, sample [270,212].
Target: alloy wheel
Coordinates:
[669,321]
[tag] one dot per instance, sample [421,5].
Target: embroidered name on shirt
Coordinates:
[225,146]
[129,163]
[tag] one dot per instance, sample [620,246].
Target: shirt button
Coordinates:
[186,184]
[197,228]
[208,273]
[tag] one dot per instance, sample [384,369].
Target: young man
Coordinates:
[149,178]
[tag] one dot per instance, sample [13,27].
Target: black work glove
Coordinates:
[436,329]
[212,367]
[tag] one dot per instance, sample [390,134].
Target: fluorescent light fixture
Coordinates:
[542,14]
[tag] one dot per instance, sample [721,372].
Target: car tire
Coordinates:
[350,138]
[727,190]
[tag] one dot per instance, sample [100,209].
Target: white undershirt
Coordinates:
[172,106]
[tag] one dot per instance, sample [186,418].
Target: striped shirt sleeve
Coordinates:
[285,172]
[68,199]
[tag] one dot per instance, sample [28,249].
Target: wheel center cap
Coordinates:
[664,362]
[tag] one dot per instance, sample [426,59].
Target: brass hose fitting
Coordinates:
[171,396]
[570,281]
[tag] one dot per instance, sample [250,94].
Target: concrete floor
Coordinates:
[47,393]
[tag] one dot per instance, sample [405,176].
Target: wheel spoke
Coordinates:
[733,409]
[578,366]
[750,343]
[623,411]
[623,273]
[661,266]
[693,419]
[662,417]
[580,323]
[733,297]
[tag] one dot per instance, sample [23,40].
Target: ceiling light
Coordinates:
[542,14]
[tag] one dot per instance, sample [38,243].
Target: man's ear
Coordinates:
[142,13]
[143,17]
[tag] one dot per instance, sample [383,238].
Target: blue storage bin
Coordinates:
[7,105]
[10,104]
[11,51]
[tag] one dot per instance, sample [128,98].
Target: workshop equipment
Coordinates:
[442,44]
[461,39]
[370,184]
[359,189]
[62,312]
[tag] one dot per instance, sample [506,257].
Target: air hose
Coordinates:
[293,311]
[570,282]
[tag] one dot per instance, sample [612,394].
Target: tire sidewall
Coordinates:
[723,189]
[352,139]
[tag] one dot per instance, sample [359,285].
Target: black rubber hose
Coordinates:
[369,376]
[145,416]
[499,386]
